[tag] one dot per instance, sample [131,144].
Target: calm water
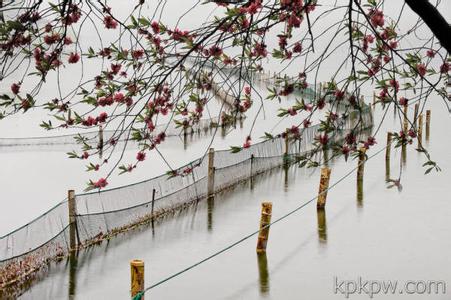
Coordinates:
[390,235]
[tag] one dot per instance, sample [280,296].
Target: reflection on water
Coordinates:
[73,263]
[404,155]
[322,225]
[210,209]
[263,273]
[360,191]
[285,180]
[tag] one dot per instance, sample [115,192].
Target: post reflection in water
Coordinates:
[263,273]
[210,209]
[387,169]
[360,192]
[322,225]
[285,181]
[73,264]
[223,131]
[403,155]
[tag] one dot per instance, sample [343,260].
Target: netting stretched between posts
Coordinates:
[105,213]
[92,137]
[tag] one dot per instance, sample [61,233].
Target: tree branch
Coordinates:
[434,20]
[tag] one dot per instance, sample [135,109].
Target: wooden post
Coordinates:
[137,277]
[387,156]
[323,187]
[265,220]
[428,124]
[415,114]
[211,172]
[360,172]
[420,130]
[72,220]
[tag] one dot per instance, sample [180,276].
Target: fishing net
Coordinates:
[92,138]
[100,215]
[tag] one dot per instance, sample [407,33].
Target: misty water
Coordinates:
[390,234]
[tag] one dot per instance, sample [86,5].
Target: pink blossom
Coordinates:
[109,22]
[102,117]
[15,88]
[141,156]
[101,183]
[73,58]
[403,101]
[421,68]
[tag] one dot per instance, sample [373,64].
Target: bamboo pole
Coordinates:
[211,172]
[72,219]
[137,277]
[360,173]
[428,124]
[323,187]
[265,220]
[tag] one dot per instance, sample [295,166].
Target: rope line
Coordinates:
[140,294]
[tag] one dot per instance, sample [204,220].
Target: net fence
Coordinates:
[100,215]
[92,138]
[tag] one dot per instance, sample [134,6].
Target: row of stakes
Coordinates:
[137,266]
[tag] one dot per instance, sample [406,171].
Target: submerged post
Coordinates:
[265,220]
[137,277]
[211,172]
[72,220]
[323,187]
[428,124]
